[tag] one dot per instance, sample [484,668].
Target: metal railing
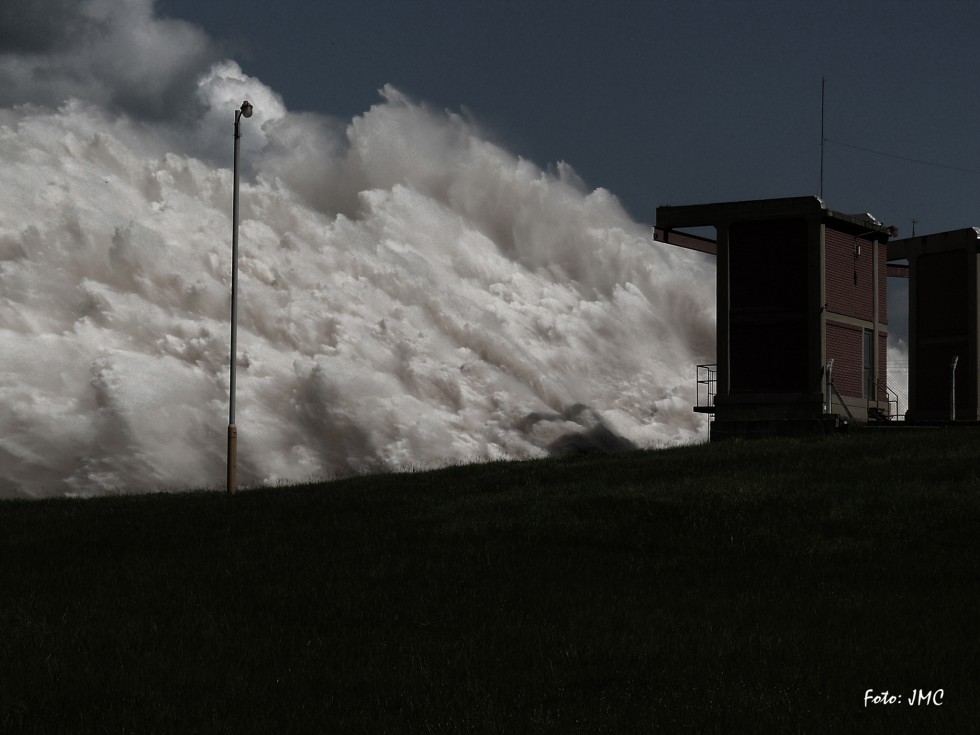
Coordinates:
[873,414]
[841,399]
[832,391]
[892,398]
[707,377]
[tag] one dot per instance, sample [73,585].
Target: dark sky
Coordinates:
[663,101]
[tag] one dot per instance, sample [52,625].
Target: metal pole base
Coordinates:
[232,458]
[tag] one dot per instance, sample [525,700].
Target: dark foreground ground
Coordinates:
[740,587]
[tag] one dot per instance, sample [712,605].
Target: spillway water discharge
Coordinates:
[410,295]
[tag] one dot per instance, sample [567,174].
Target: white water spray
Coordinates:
[410,295]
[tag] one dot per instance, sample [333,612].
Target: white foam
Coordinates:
[409,294]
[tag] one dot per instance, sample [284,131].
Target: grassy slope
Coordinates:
[757,586]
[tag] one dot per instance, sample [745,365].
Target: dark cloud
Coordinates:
[114,53]
[36,27]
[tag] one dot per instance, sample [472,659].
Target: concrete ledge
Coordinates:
[769,407]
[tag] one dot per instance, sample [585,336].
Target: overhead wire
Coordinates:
[921,161]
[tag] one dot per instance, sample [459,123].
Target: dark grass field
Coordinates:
[740,587]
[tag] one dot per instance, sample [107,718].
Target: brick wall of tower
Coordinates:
[850,277]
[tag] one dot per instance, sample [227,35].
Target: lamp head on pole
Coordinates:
[246,109]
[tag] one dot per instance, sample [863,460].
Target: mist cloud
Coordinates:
[113,53]
[411,294]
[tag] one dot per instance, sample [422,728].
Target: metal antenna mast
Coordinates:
[823,139]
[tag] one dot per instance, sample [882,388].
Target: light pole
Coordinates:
[246,111]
